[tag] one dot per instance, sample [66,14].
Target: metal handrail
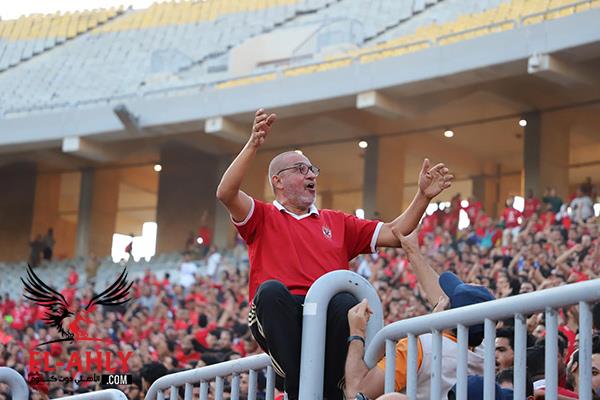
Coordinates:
[16,383]
[106,394]
[205,374]
[461,318]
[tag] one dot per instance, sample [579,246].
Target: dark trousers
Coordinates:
[275,321]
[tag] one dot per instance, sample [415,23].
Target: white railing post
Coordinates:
[463,358]
[16,383]
[585,351]
[551,358]
[314,327]
[411,367]
[520,356]
[390,366]
[436,365]
[489,360]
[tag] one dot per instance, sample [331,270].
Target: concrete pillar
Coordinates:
[546,153]
[16,210]
[187,186]
[554,152]
[486,188]
[47,202]
[531,153]
[390,179]
[105,204]
[84,214]
[371,168]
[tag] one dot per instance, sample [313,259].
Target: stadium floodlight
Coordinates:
[449,133]
[523,123]
[363,144]
[130,122]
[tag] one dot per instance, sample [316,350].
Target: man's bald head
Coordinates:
[284,160]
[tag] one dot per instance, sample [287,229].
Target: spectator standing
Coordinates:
[187,271]
[532,205]
[512,221]
[582,207]
[551,200]
[48,244]
[37,246]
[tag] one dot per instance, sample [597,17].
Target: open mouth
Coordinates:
[311,186]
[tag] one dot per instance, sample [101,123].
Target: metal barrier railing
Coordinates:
[314,324]
[16,383]
[106,394]
[313,345]
[216,372]
[489,312]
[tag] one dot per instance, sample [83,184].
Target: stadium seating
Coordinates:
[54,274]
[141,51]
[31,35]
[108,56]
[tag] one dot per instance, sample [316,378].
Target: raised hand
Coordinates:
[432,181]
[261,127]
[409,243]
[358,316]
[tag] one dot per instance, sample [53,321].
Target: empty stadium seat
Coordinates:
[78,60]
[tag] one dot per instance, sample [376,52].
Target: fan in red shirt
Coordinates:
[291,244]
[511,218]
[473,210]
[532,204]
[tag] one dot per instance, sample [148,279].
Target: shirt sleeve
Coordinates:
[401,362]
[360,235]
[250,226]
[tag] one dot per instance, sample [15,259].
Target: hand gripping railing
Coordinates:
[107,394]
[314,324]
[218,372]
[488,313]
[16,383]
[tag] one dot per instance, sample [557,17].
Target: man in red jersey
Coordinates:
[291,244]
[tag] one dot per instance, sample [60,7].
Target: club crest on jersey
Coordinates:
[326,232]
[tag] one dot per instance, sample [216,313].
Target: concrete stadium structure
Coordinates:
[88,106]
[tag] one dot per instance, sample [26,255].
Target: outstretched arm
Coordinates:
[427,277]
[236,201]
[432,181]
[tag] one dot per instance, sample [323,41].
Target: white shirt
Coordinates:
[449,365]
[213,263]
[187,272]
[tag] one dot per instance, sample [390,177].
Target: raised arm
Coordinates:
[432,181]
[427,277]
[236,201]
[358,377]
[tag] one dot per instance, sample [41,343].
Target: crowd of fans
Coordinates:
[200,318]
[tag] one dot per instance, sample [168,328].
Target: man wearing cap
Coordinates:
[443,291]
